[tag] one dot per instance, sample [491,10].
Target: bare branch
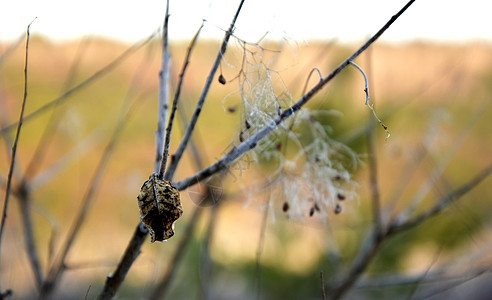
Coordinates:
[375,239]
[17,135]
[191,126]
[47,135]
[135,243]
[132,251]
[164,76]
[397,226]
[162,286]
[59,263]
[165,153]
[32,253]
[372,159]
[322,279]
[164,283]
[206,262]
[259,249]
[365,256]
[251,143]
[91,79]
[442,164]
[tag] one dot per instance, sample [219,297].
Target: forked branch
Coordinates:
[251,143]
[191,126]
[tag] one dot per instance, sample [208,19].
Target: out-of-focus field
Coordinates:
[434,98]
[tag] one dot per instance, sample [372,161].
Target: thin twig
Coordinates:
[206,263]
[135,243]
[161,288]
[375,240]
[444,161]
[251,143]
[91,79]
[372,160]
[32,253]
[132,251]
[59,264]
[25,188]
[114,280]
[16,140]
[191,126]
[371,105]
[440,289]
[47,135]
[322,279]
[397,225]
[365,256]
[259,250]
[11,49]
[164,283]
[366,89]
[429,278]
[169,127]
[164,76]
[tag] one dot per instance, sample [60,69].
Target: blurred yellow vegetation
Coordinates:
[410,82]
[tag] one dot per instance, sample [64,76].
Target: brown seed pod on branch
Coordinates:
[159,204]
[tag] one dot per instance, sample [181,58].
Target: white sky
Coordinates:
[346,20]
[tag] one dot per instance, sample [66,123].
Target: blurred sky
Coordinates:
[347,20]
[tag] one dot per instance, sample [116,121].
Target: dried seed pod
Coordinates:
[232,109]
[311,212]
[340,196]
[285,207]
[159,204]
[338,209]
[222,79]
[247,125]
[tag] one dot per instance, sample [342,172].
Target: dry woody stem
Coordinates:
[135,244]
[17,135]
[191,126]
[251,143]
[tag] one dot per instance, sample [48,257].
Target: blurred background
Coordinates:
[430,78]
